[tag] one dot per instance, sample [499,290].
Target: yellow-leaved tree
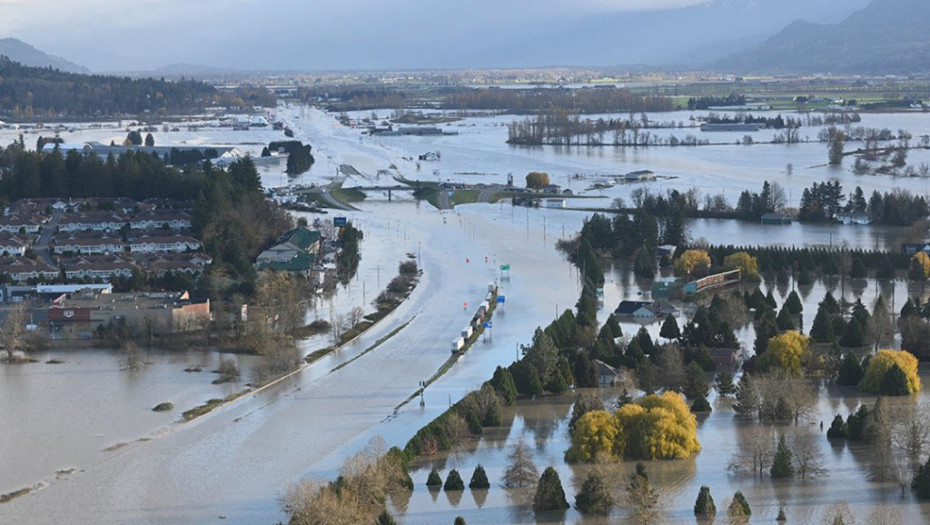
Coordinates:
[919,269]
[883,361]
[597,433]
[788,351]
[692,261]
[659,427]
[747,265]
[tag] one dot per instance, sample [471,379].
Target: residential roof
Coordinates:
[300,237]
[301,262]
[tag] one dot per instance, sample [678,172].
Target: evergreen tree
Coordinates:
[894,382]
[782,466]
[822,328]
[701,406]
[549,492]
[594,498]
[838,428]
[858,269]
[479,479]
[861,313]
[723,383]
[748,400]
[830,304]
[805,278]
[851,371]
[670,328]
[433,480]
[454,481]
[757,301]
[704,507]
[526,379]
[770,300]
[921,482]
[696,383]
[503,384]
[854,335]
[584,370]
[646,344]
[634,353]
[766,327]
[785,320]
[856,423]
[149,140]
[739,511]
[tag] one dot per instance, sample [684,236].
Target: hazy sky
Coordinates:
[380,34]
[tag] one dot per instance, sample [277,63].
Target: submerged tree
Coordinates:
[549,492]
[594,497]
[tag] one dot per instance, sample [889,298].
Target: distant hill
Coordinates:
[885,37]
[28,93]
[25,54]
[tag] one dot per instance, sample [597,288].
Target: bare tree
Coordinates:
[355,316]
[910,430]
[808,458]
[365,479]
[878,434]
[132,356]
[457,432]
[754,455]
[641,498]
[522,472]
[838,514]
[13,329]
[800,396]
[882,515]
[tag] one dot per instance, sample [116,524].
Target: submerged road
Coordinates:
[236,462]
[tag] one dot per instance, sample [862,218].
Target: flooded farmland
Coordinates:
[306,425]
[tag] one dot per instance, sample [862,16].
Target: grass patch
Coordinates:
[9,496]
[463,197]
[163,407]
[318,354]
[348,196]
[54,362]
[209,406]
[318,326]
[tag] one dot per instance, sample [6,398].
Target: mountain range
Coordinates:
[885,37]
[25,54]
[732,36]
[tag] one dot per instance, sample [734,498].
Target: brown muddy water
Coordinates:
[544,425]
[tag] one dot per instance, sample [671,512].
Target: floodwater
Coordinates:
[308,423]
[67,415]
[543,423]
[479,154]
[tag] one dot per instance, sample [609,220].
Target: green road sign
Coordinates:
[505,267]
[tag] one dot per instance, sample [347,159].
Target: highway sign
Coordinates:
[505,267]
[501,299]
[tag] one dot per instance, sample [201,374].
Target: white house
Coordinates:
[166,244]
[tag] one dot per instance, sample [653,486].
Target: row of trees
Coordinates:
[28,93]
[29,174]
